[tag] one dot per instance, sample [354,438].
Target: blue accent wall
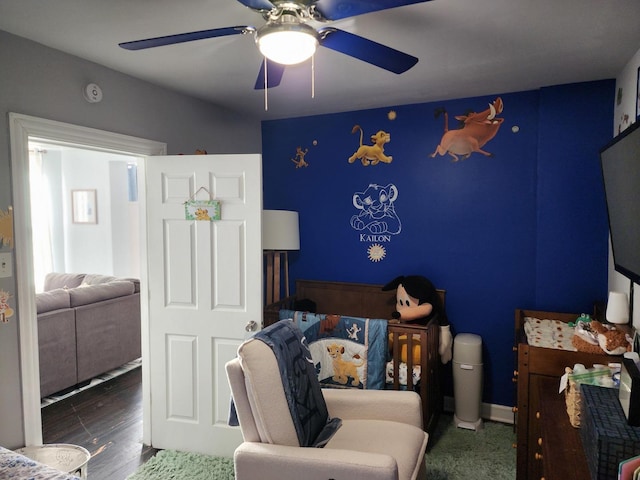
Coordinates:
[523,228]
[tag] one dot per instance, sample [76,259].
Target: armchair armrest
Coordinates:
[394,405]
[263,460]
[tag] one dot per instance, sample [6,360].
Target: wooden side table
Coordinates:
[67,458]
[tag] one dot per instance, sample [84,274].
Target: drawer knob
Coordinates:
[538,415]
[539,441]
[538,456]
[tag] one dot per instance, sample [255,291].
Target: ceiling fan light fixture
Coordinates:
[287,44]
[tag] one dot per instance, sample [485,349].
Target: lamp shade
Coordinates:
[287,41]
[280,230]
[617,308]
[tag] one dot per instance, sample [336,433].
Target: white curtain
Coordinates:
[40,219]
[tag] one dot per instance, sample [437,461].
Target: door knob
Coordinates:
[251,326]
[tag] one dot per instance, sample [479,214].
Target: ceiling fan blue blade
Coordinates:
[274,75]
[366,50]
[337,9]
[182,37]
[257,4]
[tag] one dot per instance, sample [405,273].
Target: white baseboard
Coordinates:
[488,411]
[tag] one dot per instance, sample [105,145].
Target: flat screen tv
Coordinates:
[620,161]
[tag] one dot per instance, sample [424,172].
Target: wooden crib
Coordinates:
[369,301]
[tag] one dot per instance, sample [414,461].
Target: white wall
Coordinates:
[625,115]
[88,247]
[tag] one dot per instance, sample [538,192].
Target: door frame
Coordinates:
[24,128]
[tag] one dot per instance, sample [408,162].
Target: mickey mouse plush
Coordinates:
[417,301]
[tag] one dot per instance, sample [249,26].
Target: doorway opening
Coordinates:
[85,215]
[25,129]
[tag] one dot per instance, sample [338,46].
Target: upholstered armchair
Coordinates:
[379,437]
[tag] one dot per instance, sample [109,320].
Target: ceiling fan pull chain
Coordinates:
[313,76]
[266,102]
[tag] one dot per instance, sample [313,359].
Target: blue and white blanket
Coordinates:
[302,391]
[348,352]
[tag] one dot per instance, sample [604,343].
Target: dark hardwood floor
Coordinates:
[106,420]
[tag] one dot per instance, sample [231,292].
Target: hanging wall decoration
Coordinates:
[5,310]
[377,220]
[371,154]
[299,158]
[202,210]
[477,129]
[6,227]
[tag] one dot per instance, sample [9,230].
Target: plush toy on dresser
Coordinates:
[417,301]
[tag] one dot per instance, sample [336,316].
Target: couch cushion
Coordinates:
[55,280]
[100,292]
[96,279]
[52,300]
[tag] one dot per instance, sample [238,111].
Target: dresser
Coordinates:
[536,366]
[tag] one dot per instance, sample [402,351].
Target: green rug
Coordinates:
[172,465]
[458,453]
[454,453]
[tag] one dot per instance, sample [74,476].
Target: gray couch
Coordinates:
[87,325]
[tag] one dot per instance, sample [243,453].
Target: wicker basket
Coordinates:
[594,376]
[573,400]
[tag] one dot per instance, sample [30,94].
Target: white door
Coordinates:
[204,287]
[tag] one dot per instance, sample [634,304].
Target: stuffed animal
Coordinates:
[596,337]
[417,301]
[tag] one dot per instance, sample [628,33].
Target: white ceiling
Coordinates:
[466,48]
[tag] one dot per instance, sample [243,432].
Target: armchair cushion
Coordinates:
[294,372]
[371,449]
[393,405]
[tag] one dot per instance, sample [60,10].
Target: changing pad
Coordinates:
[549,333]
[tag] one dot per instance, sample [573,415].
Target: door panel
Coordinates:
[205,285]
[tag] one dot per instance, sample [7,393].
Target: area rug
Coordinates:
[459,453]
[172,465]
[454,453]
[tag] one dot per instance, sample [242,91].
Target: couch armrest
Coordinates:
[263,460]
[394,405]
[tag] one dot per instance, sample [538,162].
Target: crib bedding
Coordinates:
[349,352]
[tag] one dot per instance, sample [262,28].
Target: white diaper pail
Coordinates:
[467,380]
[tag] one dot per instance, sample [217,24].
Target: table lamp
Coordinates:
[617,308]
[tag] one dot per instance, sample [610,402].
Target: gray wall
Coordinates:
[46,83]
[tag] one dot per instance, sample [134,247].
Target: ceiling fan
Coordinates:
[287,38]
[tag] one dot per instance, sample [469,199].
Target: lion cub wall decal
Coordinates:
[371,154]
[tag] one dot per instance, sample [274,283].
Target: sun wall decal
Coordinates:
[376,252]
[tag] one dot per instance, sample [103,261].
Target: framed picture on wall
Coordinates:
[638,95]
[83,206]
